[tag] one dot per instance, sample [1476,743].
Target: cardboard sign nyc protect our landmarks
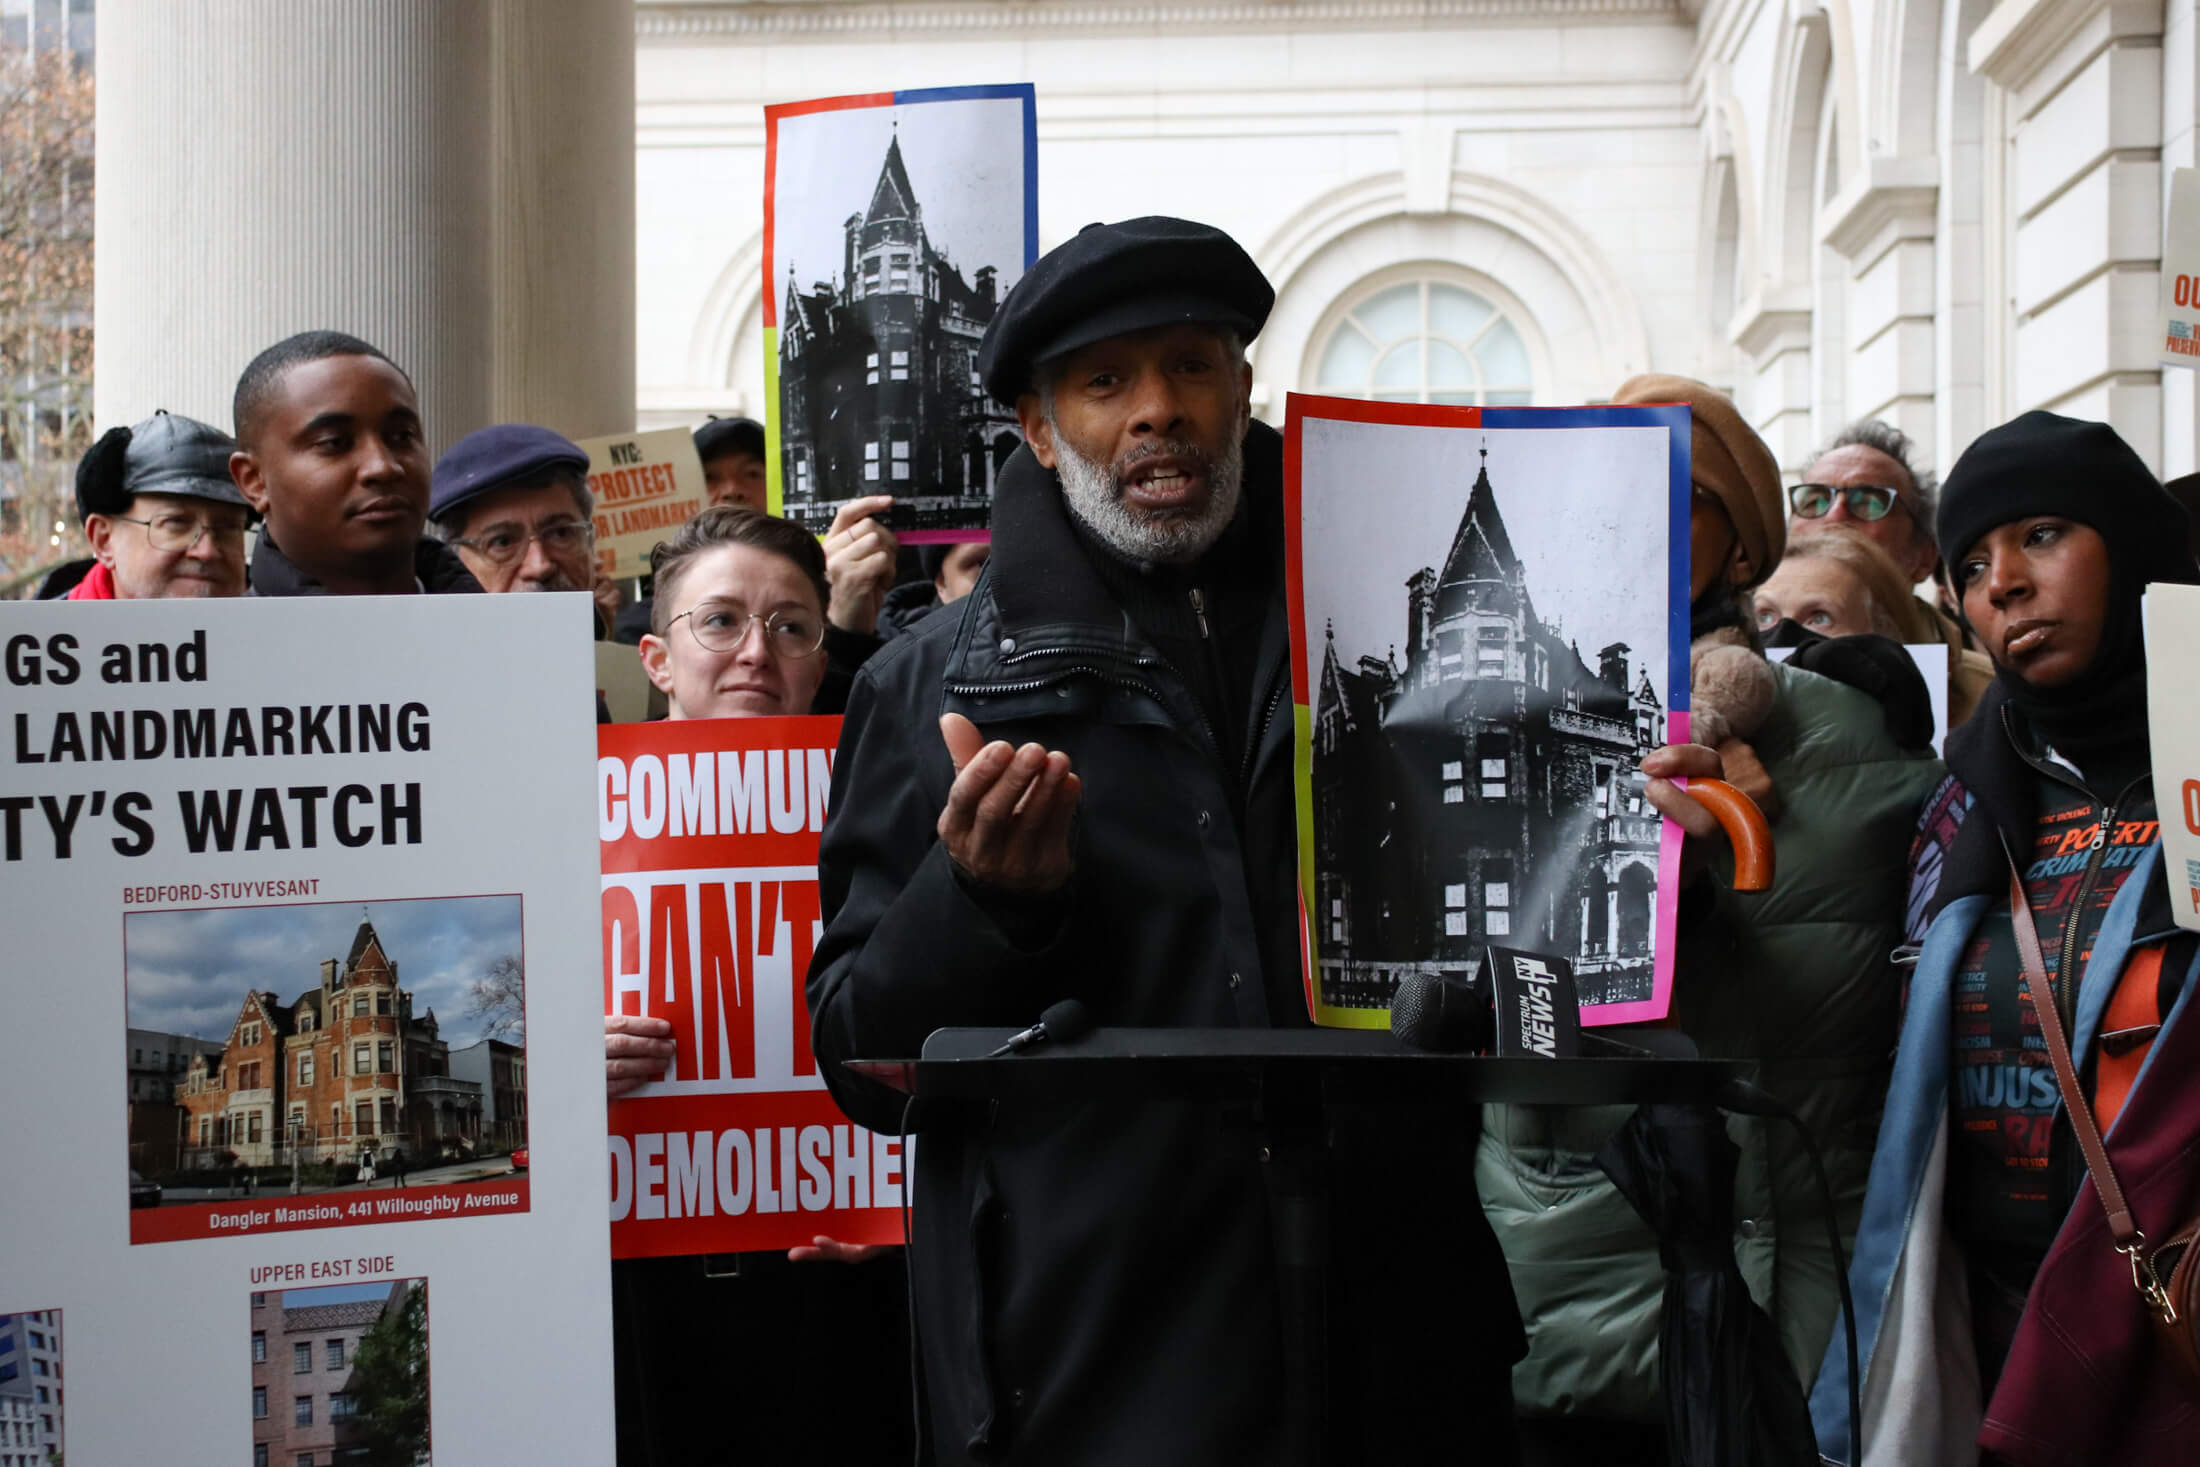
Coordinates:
[1479,669]
[2172,615]
[710,914]
[282,885]
[646,485]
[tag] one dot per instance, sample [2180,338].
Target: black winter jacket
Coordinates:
[435,564]
[1097,1284]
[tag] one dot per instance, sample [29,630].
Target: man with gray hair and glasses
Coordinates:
[513,500]
[1867,480]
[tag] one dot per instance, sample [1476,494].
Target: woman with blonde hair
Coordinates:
[1838,583]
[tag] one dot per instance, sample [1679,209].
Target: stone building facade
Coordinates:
[302,1385]
[346,1067]
[1483,789]
[500,1069]
[33,1390]
[878,368]
[1941,212]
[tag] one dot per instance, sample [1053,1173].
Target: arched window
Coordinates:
[1427,340]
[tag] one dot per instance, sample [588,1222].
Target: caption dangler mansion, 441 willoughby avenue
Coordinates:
[344,1068]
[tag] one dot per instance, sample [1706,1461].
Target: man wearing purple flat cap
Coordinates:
[513,500]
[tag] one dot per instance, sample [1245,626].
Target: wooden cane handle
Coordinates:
[1746,831]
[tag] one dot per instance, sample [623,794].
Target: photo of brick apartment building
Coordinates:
[346,1067]
[31,1389]
[312,1406]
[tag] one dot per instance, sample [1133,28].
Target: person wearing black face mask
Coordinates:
[2051,529]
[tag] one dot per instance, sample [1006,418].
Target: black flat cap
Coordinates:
[493,457]
[720,436]
[1114,279]
[166,454]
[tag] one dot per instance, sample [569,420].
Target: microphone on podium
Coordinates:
[1060,1023]
[1516,1005]
[1442,1014]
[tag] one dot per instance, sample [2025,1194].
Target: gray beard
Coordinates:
[1094,493]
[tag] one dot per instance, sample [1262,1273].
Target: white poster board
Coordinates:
[2181,271]
[280,884]
[2173,721]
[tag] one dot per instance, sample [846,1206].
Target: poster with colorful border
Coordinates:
[284,885]
[895,223]
[1489,622]
[711,909]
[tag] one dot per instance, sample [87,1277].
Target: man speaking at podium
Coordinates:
[1077,784]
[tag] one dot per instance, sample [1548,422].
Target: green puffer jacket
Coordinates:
[1798,979]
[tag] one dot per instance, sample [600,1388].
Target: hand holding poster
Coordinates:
[895,223]
[1471,728]
[281,884]
[646,485]
[710,913]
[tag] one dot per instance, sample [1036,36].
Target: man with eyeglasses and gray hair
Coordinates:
[513,500]
[160,511]
[1866,481]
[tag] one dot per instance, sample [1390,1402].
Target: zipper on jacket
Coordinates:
[1260,730]
[1199,610]
[1036,684]
[2066,976]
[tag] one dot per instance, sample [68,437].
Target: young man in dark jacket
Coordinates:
[1077,784]
[330,450]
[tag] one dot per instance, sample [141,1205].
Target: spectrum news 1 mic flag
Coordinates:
[711,911]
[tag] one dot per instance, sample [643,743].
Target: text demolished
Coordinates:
[729,1173]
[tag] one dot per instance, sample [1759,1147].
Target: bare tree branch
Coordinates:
[499,999]
[45,301]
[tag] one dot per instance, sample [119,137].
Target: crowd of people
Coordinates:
[1066,771]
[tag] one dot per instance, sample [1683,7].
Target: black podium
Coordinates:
[1288,1080]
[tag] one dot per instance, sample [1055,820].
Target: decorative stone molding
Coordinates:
[1772,320]
[733,299]
[1581,324]
[685,23]
[2018,38]
[1895,198]
[1548,231]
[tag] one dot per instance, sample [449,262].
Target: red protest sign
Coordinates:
[709,831]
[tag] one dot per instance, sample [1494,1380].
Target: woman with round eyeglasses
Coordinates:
[751,592]
[738,631]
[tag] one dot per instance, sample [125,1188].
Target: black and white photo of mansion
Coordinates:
[878,374]
[1483,789]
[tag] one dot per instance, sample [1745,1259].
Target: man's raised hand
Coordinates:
[1008,815]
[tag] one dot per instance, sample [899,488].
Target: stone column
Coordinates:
[452,180]
[2084,87]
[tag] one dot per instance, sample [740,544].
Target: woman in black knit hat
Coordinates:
[2051,529]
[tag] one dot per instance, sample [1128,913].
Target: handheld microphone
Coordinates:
[1441,1014]
[1061,1023]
